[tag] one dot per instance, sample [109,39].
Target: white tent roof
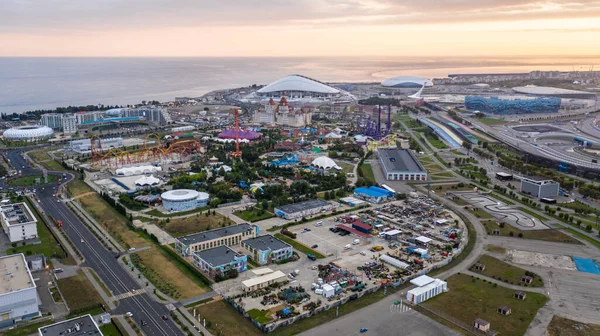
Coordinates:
[423,240]
[422,280]
[324,162]
[298,83]
[392,232]
[147,180]
[128,171]
[262,279]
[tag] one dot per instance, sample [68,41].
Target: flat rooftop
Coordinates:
[79,326]
[215,234]
[303,206]
[266,242]
[17,214]
[14,274]
[400,160]
[217,256]
[538,179]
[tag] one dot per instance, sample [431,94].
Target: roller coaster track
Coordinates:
[119,157]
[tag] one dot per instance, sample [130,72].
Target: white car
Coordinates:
[129,314]
[82,240]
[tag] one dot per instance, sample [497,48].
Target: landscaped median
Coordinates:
[299,247]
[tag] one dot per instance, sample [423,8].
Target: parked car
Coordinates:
[314,246]
[363,330]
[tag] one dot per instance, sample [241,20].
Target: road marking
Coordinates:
[129,294]
[399,308]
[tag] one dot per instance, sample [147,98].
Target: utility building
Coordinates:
[539,187]
[267,249]
[18,222]
[401,165]
[18,295]
[427,288]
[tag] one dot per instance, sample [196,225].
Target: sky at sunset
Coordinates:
[298,27]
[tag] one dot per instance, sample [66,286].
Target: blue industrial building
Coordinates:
[497,105]
[373,194]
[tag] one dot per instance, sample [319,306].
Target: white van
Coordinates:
[356,242]
[347,247]
[319,223]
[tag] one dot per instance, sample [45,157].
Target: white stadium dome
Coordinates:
[184,199]
[324,162]
[29,133]
[407,82]
[298,83]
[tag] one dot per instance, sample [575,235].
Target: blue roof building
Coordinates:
[373,194]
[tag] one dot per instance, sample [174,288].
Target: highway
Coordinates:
[103,262]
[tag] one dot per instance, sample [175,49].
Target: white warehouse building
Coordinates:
[18,294]
[427,287]
[18,222]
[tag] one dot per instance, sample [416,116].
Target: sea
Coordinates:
[28,84]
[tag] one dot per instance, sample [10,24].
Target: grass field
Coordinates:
[153,258]
[27,330]
[495,249]
[299,247]
[456,152]
[460,201]
[491,121]
[437,143]
[42,157]
[481,299]
[79,293]
[498,269]
[346,167]
[425,160]
[560,326]
[253,215]
[480,213]
[529,212]
[546,235]
[367,172]
[434,168]
[157,213]
[110,330]
[223,319]
[178,227]
[260,315]
[78,187]
[48,246]
[449,187]
[584,237]
[29,181]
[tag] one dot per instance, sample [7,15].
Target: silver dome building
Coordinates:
[28,133]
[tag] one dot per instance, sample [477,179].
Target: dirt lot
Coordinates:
[178,227]
[222,319]
[560,326]
[541,259]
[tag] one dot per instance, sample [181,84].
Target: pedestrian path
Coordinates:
[129,294]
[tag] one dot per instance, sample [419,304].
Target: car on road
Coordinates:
[363,330]
[165,317]
[53,195]
[82,241]
[129,314]
[314,246]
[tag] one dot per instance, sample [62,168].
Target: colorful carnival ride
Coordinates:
[174,151]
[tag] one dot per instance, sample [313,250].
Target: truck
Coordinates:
[358,287]
[311,257]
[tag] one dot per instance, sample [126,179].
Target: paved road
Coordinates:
[116,278]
